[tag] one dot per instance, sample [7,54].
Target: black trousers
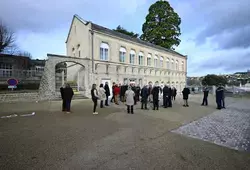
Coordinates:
[223,103]
[130,109]
[185,102]
[95,104]
[68,105]
[219,103]
[144,102]
[106,101]
[113,97]
[63,105]
[173,97]
[169,101]
[156,104]
[165,101]
[204,102]
[101,104]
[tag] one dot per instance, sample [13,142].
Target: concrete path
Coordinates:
[112,139]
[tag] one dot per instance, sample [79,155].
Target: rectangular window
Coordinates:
[168,65]
[156,62]
[140,60]
[122,57]
[161,63]
[79,53]
[177,68]
[149,61]
[103,54]
[132,59]
[182,66]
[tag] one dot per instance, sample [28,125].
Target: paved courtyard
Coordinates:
[40,136]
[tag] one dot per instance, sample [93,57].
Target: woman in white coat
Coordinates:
[102,95]
[129,95]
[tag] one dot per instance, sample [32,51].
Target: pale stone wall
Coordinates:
[80,35]
[18,97]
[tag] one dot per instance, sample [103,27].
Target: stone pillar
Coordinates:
[214,90]
[62,77]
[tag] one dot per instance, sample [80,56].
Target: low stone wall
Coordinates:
[18,97]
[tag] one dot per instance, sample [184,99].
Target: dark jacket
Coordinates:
[206,91]
[144,93]
[170,91]
[155,92]
[174,92]
[185,93]
[219,93]
[61,91]
[107,91]
[68,93]
[165,91]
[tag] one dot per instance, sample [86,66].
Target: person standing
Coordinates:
[185,94]
[67,96]
[113,93]
[63,101]
[144,97]
[129,95]
[116,94]
[170,91]
[223,98]
[107,92]
[155,92]
[174,93]
[165,96]
[102,95]
[94,96]
[219,96]
[205,95]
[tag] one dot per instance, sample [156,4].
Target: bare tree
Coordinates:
[24,54]
[7,38]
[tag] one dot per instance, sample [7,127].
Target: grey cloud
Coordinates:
[232,19]
[45,15]
[227,63]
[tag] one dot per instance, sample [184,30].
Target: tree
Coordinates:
[24,54]
[7,38]
[214,80]
[124,31]
[162,26]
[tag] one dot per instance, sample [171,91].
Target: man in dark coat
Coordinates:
[67,96]
[113,93]
[174,93]
[205,95]
[63,101]
[219,96]
[185,94]
[107,92]
[155,92]
[165,96]
[144,97]
[137,92]
[169,99]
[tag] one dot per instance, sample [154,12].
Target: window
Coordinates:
[122,54]
[104,51]
[5,66]
[156,61]
[140,61]
[182,66]
[73,52]
[132,57]
[6,73]
[172,64]
[79,51]
[177,65]
[149,60]
[168,64]
[161,62]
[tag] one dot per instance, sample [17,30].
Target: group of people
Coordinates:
[131,94]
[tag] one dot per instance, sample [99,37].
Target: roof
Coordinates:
[127,37]
[120,35]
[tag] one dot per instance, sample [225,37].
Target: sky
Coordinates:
[215,34]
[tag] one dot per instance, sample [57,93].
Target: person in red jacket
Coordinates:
[116,93]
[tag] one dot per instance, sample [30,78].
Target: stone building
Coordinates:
[110,56]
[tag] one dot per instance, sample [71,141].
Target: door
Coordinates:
[110,85]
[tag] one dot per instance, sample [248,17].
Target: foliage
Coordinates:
[162,26]
[192,82]
[124,31]
[72,83]
[212,79]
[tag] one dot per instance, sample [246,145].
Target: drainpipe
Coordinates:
[92,49]
[186,70]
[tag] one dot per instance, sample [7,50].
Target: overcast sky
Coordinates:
[215,34]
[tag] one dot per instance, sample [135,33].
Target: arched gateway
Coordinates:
[47,89]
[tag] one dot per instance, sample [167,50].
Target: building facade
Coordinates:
[115,57]
[24,69]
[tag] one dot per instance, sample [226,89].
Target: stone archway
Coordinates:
[47,89]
